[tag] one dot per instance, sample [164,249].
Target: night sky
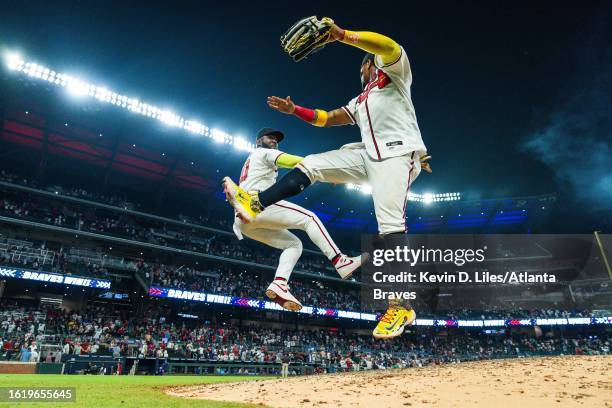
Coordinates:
[509,97]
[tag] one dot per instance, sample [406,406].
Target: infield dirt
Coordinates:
[566,381]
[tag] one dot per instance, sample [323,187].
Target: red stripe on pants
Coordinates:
[316,222]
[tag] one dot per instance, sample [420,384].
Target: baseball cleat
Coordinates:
[393,322]
[345,266]
[278,291]
[244,204]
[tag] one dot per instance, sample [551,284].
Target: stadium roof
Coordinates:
[108,144]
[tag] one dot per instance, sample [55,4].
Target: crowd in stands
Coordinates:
[207,217]
[110,199]
[103,330]
[213,278]
[232,280]
[242,283]
[38,256]
[187,232]
[153,232]
[513,313]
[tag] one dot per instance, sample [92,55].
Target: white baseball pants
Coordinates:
[271,228]
[390,179]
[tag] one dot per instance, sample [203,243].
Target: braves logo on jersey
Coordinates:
[245,170]
[380,81]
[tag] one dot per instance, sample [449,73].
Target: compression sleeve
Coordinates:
[288,161]
[374,43]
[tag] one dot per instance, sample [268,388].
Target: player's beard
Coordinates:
[267,146]
[364,81]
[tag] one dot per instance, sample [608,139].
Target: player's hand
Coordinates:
[424,163]
[285,105]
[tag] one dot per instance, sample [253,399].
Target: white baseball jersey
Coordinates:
[260,170]
[271,226]
[384,112]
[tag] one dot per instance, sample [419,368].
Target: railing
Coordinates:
[111,238]
[177,222]
[19,251]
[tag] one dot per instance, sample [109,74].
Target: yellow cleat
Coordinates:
[247,207]
[393,322]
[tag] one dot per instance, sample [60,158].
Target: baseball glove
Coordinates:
[307,36]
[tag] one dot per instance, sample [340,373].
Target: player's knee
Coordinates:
[297,245]
[309,219]
[296,181]
[313,219]
[305,167]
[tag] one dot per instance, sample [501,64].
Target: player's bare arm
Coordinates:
[316,117]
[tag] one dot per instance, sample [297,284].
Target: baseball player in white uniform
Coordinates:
[272,225]
[389,157]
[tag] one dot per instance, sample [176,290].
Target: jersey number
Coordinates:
[245,171]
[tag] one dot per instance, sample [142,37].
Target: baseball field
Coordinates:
[566,381]
[124,391]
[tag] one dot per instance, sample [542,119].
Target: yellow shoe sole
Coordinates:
[409,321]
[230,196]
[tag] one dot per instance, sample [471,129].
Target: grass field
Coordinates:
[113,391]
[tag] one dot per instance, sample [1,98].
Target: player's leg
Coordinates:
[390,180]
[291,247]
[337,166]
[291,216]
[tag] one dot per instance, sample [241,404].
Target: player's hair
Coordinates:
[367,57]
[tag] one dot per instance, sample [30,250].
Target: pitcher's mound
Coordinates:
[572,381]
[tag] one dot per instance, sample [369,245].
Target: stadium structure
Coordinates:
[117,255]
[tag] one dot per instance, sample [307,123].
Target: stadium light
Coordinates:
[426,198]
[13,60]
[218,135]
[79,87]
[76,86]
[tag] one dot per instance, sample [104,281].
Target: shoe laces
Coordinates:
[389,315]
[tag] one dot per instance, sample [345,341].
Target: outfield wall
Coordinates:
[15,367]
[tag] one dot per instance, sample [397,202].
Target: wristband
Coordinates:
[317,117]
[305,114]
[321,118]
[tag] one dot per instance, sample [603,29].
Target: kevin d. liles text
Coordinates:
[464,277]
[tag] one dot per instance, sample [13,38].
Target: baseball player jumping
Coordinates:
[391,153]
[272,224]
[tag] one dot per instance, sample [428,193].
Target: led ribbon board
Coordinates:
[39,276]
[169,293]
